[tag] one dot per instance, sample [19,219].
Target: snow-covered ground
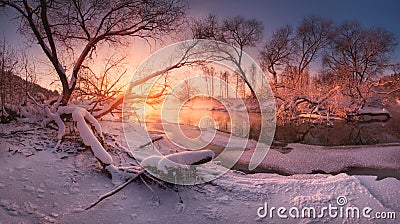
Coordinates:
[298,158]
[293,158]
[38,186]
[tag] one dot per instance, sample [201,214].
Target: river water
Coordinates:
[305,131]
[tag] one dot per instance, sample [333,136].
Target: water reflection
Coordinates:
[302,131]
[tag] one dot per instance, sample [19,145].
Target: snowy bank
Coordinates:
[45,189]
[299,158]
[294,158]
[48,187]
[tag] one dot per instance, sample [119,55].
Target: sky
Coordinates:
[276,13]
[272,13]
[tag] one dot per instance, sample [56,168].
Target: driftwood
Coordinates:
[115,190]
[350,116]
[315,103]
[153,139]
[390,92]
[297,100]
[10,134]
[318,116]
[372,112]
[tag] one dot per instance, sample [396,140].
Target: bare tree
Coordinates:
[79,27]
[277,52]
[357,55]
[210,72]
[238,32]
[292,53]
[187,90]
[240,87]
[242,32]
[28,70]
[225,78]
[101,87]
[83,25]
[208,28]
[311,36]
[8,62]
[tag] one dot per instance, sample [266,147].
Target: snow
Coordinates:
[302,158]
[136,135]
[55,188]
[312,190]
[191,157]
[374,110]
[178,160]
[151,161]
[89,139]
[73,78]
[81,116]
[294,158]
[120,174]
[228,141]
[61,126]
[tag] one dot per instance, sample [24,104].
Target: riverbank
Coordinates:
[38,186]
[381,160]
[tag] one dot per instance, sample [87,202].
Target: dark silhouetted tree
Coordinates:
[80,26]
[357,55]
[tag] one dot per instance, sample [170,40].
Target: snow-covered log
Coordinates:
[318,116]
[83,121]
[371,114]
[372,111]
[315,103]
[89,139]
[178,160]
[61,126]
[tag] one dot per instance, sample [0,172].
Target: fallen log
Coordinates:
[318,116]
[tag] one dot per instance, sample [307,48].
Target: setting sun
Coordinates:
[188,111]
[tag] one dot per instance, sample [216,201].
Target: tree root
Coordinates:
[85,123]
[151,189]
[153,139]
[115,190]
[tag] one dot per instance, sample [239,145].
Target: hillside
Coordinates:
[13,94]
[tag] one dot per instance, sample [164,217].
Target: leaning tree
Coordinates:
[81,26]
[74,29]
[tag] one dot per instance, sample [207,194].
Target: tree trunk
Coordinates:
[66,95]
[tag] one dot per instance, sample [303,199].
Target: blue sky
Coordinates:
[272,13]
[276,13]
